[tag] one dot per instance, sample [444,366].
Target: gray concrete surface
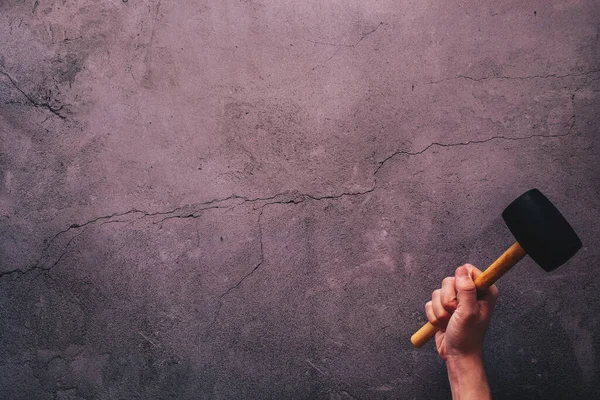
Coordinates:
[254,199]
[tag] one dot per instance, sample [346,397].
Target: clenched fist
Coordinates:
[460,316]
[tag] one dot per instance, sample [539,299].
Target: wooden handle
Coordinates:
[506,261]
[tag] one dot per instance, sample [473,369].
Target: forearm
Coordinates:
[467,378]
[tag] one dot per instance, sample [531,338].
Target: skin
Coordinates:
[462,319]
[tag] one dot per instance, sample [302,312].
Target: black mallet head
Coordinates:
[541,230]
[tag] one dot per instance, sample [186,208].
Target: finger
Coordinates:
[493,292]
[466,293]
[431,316]
[439,311]
[473,270]
[487,300]
[448,294]
[488,295]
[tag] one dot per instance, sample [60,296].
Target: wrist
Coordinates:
[467,377]
[464,360]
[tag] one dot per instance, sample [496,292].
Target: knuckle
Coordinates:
[443,316]
[466,287]
[470,289]
[449,302]
[437,324]
[434,321]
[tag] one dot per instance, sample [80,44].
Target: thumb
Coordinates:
[466,293]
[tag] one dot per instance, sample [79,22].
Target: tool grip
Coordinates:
[506,261]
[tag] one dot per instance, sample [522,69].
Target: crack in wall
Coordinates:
[196,214]
[504,77]
[364,35]
[53,109]
[297,198]
[467,143]
[37,266]
[342,45]
[217,313]
[573,121]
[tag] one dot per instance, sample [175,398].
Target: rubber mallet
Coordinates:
[540,230]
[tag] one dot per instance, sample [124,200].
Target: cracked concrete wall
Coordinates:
[254,199]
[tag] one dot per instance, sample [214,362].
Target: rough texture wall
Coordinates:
[227,199]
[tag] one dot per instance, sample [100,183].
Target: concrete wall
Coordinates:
[227,199]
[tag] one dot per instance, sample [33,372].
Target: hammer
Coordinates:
[540,230]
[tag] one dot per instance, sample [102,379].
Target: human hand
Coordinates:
[461,317]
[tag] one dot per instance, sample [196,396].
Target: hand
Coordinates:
[461,317]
